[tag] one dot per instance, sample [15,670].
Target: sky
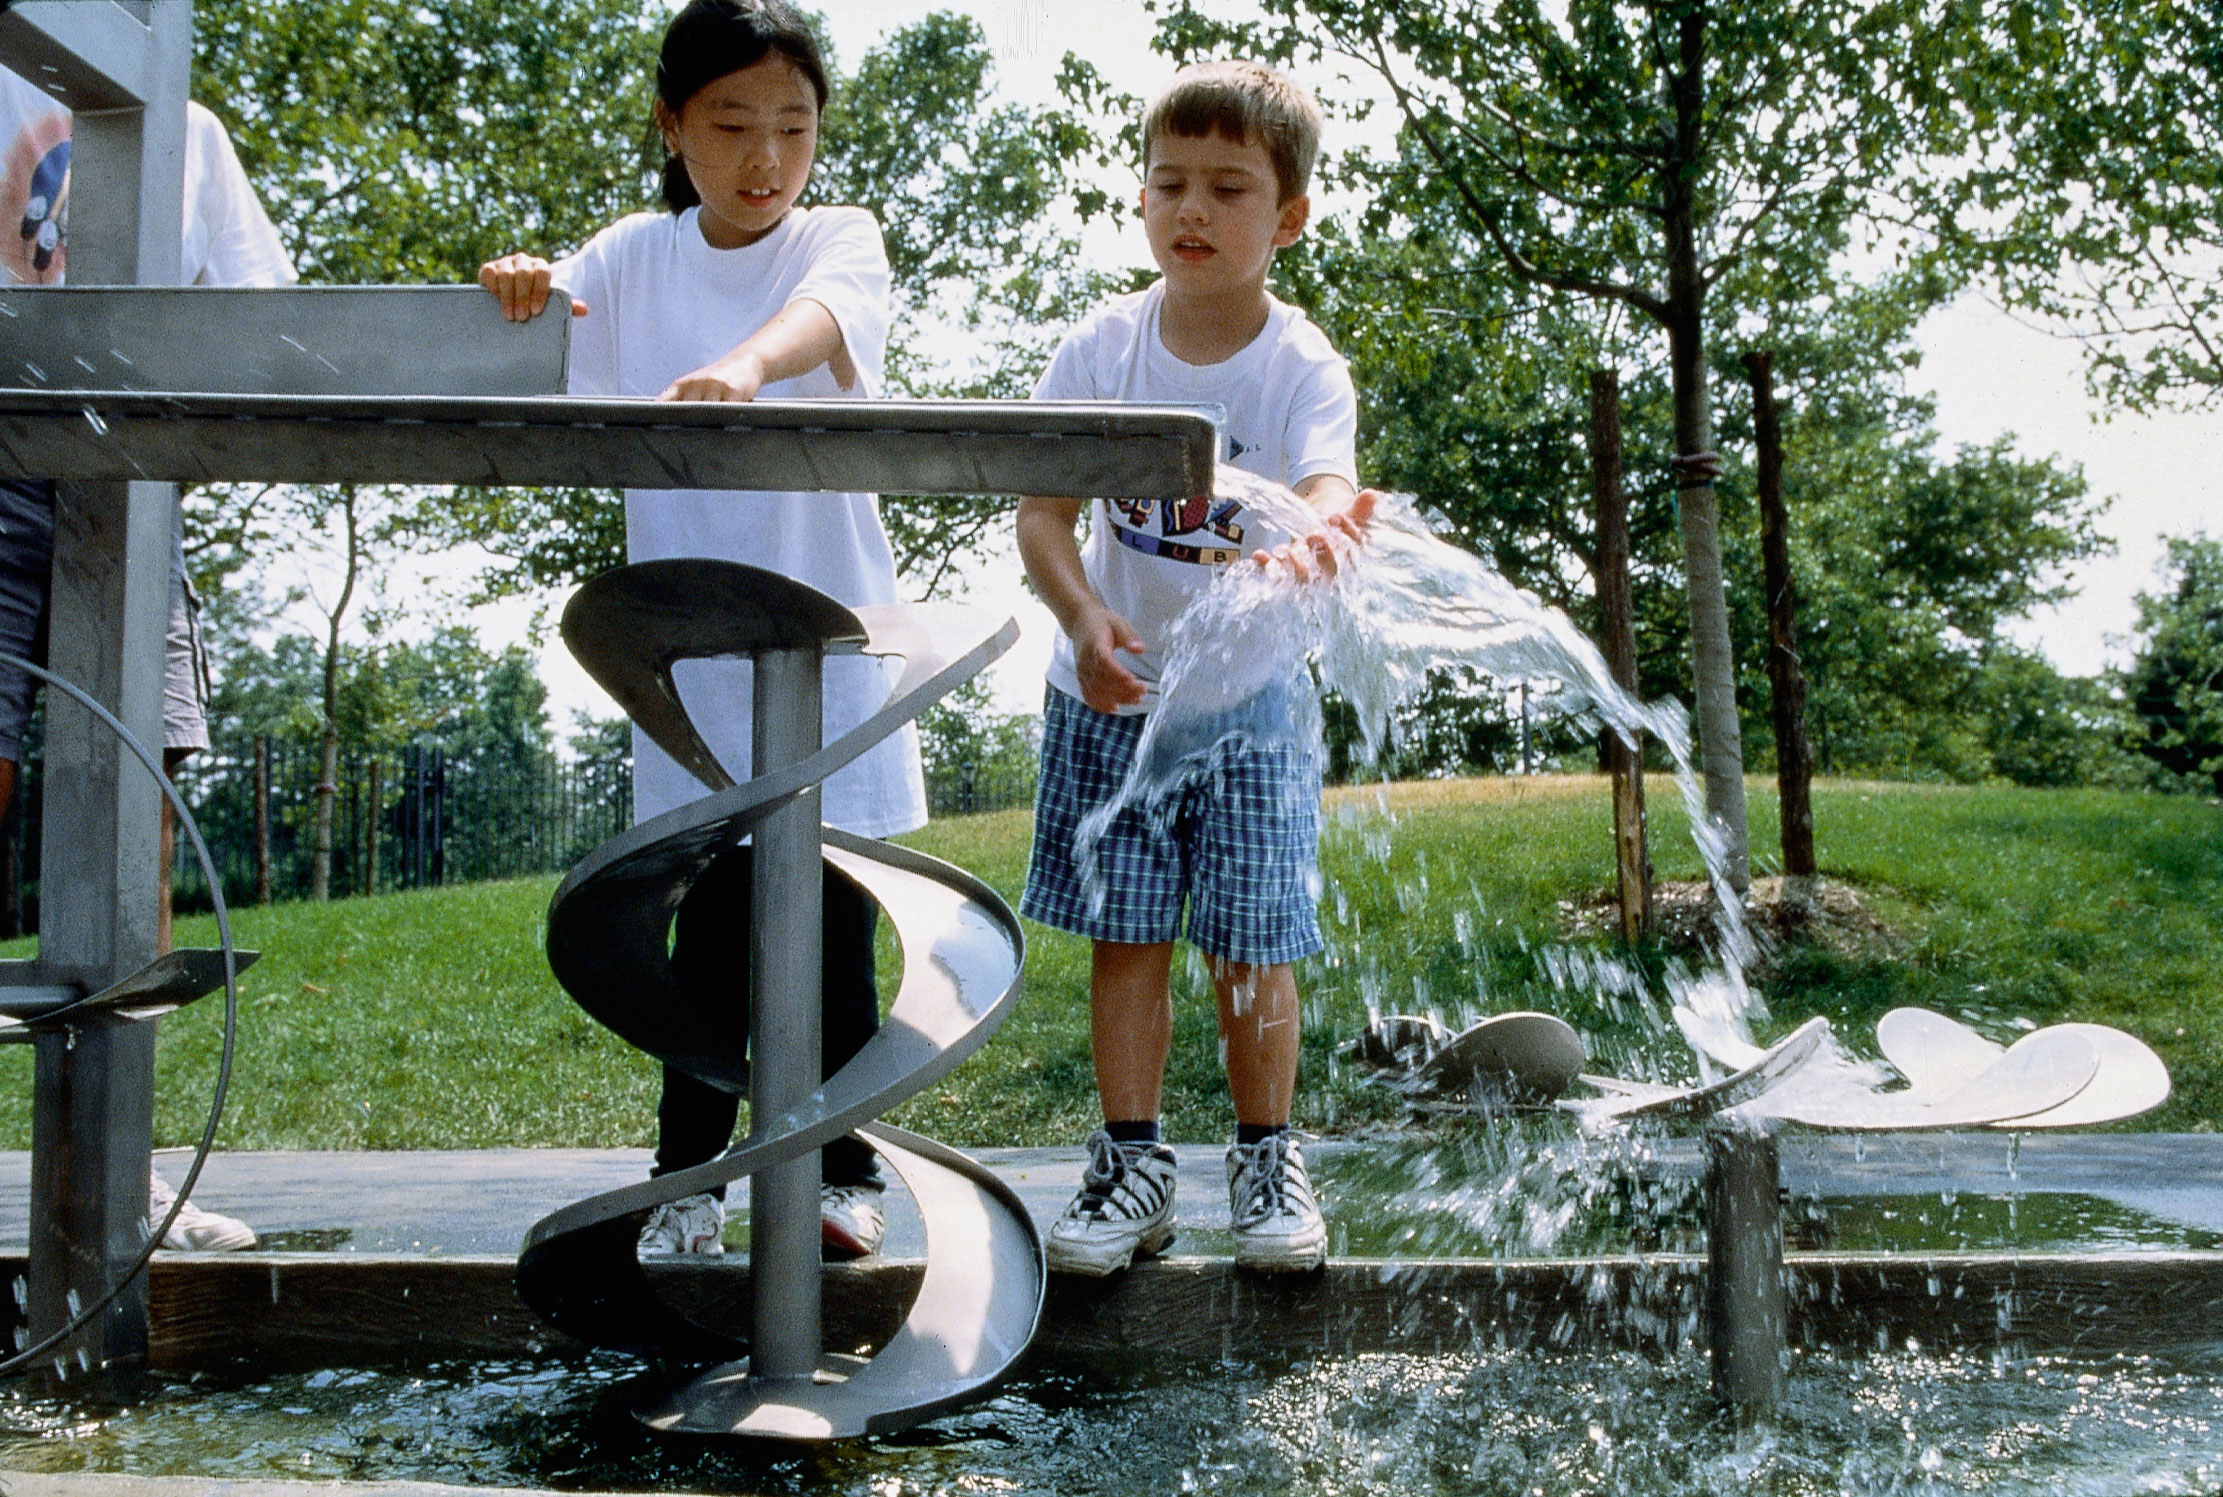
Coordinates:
[1991,375]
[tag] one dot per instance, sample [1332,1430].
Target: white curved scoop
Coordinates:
[1770,1069]
[2041,1071]
[1516,1059]
[1934,1052]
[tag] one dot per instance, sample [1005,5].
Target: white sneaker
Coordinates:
[1124,1210]
[693,1224]
[1278,1227]
[195,1230]
[850,1221]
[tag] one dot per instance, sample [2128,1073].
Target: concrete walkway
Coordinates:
[482,1201]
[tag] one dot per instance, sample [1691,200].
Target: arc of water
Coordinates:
[607,941]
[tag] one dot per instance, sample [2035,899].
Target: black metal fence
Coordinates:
[422,815]
[966,788]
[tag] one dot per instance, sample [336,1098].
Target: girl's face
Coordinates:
[747,139]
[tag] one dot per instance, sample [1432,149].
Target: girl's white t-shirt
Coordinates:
[1290,412]
[662,302]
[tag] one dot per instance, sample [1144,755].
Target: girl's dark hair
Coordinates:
[712,38]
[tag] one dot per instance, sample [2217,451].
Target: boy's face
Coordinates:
[1210,209]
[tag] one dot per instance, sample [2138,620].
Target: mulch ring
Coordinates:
[1832,916]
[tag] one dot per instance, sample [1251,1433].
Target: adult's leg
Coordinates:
[1130,1025]
[184,713]
[26,573]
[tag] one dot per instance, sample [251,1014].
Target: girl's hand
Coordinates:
[1316,556]
[737,376]
[521,283]
[1106,685]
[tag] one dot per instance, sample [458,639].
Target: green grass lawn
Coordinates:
[428,1020]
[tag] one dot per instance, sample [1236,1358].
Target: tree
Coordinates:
[2097,198]
[2175,685]
[1911,564]
[1633,152]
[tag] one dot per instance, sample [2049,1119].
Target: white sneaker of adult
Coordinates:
[851,1222]
[195,1230]
[1277,1223]
[1124,1210]
[693,1224]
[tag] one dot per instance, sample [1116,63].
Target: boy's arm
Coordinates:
[1343,511]
[1053,564]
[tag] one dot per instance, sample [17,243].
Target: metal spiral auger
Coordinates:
[608,941]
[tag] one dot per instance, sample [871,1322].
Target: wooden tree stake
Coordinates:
[1794,759]
[1624,762]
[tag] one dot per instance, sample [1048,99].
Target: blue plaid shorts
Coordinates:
[1237,842]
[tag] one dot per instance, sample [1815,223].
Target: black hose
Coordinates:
[84,1317]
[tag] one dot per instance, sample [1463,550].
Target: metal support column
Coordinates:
[1745,1304]
[786,925]
[123,71]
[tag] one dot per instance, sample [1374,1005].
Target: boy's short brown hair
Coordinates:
[1243,101]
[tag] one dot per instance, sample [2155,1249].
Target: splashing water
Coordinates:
[1244,668]
[1244,661]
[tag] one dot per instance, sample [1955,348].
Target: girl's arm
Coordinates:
[803,336]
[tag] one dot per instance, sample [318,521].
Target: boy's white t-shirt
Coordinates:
[228,241]
[662,302]
[1291,412]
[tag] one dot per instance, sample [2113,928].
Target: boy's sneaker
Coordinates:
[1124,1210]
[850,1221]
[195,1230]
[1278,1228]
[693,1224]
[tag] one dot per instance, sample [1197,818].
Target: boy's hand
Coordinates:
[737,376]
[1316,556]
[521,283]
[1107,685]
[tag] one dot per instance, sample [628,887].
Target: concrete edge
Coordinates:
[304,1311]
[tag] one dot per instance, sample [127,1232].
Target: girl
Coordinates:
[734,293]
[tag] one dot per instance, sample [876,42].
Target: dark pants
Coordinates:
[710,957]
[26,570]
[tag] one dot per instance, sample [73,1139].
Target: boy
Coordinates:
[1227,156]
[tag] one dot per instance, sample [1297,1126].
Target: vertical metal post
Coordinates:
[92,1109]
[786,946]
[1745,1303]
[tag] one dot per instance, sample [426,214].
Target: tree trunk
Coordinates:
[1713,659]
[1624,759]
[1794,760]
